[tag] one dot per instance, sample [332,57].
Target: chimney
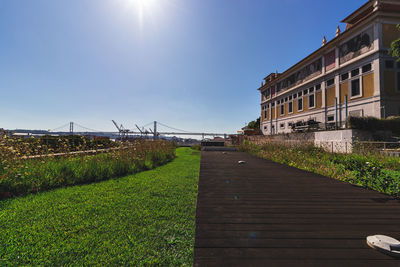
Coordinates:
[324,41]
[338,31]
[376,5]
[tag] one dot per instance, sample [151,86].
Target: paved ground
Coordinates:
[266,214]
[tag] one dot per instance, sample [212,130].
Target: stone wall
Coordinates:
[291,138]
[340,141]
[337,141]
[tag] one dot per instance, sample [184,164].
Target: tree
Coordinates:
[394,50]
[254,124]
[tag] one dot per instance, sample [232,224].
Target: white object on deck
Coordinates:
[241,162]
[384,244]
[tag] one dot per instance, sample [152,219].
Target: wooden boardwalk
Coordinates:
[265,214]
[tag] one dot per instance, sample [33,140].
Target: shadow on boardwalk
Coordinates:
[266,214]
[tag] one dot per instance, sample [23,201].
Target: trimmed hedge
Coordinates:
[375,124]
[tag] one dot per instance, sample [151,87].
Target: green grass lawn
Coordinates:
[142,219]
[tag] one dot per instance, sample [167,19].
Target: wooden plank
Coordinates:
[297,234]
[377,223]
[345,227]
[281,243]
[290,263]
[268,214]
[291,253]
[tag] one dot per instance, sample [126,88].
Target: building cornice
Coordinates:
[313,80]
[323,50]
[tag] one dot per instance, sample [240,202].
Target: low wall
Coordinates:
[336,141]
[340,141]
[291,138]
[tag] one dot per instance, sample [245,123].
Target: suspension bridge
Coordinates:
[144,131]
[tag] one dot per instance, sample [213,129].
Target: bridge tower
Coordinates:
[155,130]
[71,127]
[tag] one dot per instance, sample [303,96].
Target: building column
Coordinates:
[270,119]
[276,117]
[377,64]
[337,95]
[323,90]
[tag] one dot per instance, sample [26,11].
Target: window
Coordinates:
[279,102]
[311,90]
[290,124]
[294,96]
[300,104]
[282,125]
[300,94]
[272,104]
[290,97]
[265,127]
[355,72]
[305,92]
[366,68]
[330,82]
[398,81]
[265,114]
[318,87]
[344,76]
[389,64]
[286,99]
[311,101]
[331,118]
[355,89]
[290,107]
[282,109]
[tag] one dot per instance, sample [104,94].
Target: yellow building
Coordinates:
[351,75]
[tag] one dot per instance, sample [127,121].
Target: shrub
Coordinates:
[19,176]
[196,147]
[372,171]
[372,123]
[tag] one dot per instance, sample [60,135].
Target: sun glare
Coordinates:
[145,4]
[143,9]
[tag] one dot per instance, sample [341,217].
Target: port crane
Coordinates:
[121,130]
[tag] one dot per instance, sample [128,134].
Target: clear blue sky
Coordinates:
[191,64]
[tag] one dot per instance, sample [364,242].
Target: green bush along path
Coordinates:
[374,171]
[142,219]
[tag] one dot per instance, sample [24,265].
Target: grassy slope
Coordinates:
[147,218]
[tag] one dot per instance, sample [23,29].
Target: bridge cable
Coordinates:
[176,129]
[65,125]
[83,127]
[150,123]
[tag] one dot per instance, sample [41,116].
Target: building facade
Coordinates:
[351,75]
